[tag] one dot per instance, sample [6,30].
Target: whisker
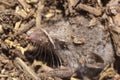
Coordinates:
[34,52]
[49,55]
[33,43]
[56,62]
[37,51]
[45,53]
[56,59]
[60,62]
[52,57]
[41,52]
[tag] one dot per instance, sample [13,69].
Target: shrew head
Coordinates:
[45,47]
[37,36]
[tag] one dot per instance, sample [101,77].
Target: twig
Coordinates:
[25,5]
[38,15]
[6,3]
[1,75]
[50,39]
[19,63]
[26,27]
[90,9]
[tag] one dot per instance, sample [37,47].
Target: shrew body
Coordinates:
[74,58]
[58,38]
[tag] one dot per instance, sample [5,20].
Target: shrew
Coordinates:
[55,43]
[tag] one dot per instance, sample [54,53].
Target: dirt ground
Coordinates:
[85,31]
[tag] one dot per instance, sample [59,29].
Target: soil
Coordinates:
[59,39]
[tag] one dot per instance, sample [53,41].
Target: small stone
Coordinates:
[79,40]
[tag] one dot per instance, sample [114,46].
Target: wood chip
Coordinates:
[39,13]
[25,27]
[21,12]
[92,10]
[25,5]
[1,29]
[17,25]
[31,1]
[27,70]
[79,40]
